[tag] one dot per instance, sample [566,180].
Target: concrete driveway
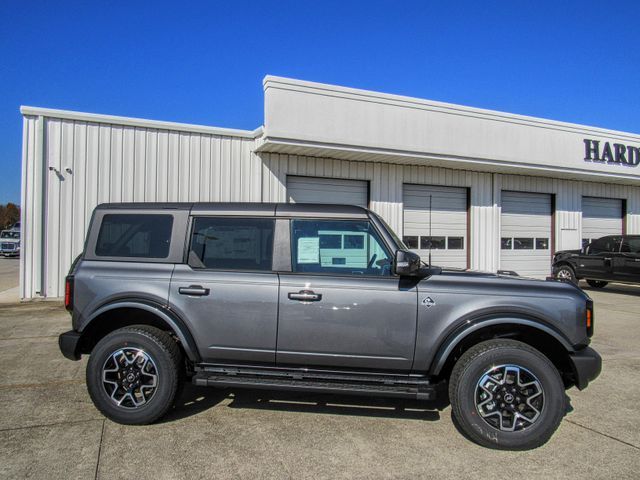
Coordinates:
[9,270]
[49,428]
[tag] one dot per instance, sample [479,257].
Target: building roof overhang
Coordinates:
[318,120]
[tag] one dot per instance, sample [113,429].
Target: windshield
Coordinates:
[8,234]
[395,237]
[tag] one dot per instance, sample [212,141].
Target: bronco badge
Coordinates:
[428,302]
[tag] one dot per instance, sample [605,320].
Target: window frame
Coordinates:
[192,224]
[126,237]
[177,237]
[380,237]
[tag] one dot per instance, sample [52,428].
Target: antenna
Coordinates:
[430,238]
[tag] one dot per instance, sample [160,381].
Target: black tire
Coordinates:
[566,273]
[464,382]
[165,364]
[597,283]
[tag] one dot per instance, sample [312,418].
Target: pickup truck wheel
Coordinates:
[565,272]
[597,283]
[506,395]
[133,374]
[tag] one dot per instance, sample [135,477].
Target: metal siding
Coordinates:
[115,163]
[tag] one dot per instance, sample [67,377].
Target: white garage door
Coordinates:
[327,190]
[448,238]
[526,233]
[600,217]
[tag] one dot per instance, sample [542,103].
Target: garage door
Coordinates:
[448,239]
[526,234]
[600,217]
[327,190]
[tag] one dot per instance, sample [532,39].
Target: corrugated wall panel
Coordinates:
[100,162]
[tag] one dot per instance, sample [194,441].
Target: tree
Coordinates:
[9,214]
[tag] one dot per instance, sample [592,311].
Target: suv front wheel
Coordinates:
[506,395]
[565,272]
[133,374]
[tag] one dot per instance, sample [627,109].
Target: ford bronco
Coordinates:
[319,298]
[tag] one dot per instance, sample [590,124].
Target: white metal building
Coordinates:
[506,191]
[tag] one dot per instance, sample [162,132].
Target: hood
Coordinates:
[496,283]
[566,254]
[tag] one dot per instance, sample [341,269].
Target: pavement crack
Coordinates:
[10,386]
[27,338]
[603,434]
[41,425]
[100,449]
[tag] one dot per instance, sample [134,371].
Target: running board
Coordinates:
[398,386]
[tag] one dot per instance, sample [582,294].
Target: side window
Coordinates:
[605,245]
[630,245]
[347,247]
[232,243]
[132,235]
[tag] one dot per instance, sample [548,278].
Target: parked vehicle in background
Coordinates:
[614,258]
[10,243]
[321,298]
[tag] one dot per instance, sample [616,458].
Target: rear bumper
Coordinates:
[69,343]
[587,365]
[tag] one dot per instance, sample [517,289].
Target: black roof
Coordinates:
[245,208]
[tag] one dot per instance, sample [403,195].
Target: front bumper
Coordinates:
[69,343]
[587,365]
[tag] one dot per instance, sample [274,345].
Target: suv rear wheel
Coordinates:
[506,395]
[133,374]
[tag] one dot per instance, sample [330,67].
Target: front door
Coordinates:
[227,293]
[597,260]
[341,306]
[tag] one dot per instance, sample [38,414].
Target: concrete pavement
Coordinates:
[49,428]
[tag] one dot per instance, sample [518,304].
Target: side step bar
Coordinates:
[317,381]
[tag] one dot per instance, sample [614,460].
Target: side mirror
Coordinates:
[406,263]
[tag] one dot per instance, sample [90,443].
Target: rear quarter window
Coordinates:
[134,236]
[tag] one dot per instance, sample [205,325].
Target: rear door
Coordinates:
[341,306]
[627,264]
[228,292]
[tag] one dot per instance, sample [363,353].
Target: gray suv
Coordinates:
[320,298]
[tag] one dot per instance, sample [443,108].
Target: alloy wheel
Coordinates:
[509,398]
[129,377]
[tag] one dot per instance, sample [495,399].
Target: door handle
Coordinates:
[195,290]
[305,296]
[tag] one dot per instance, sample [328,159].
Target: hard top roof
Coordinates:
[246,208]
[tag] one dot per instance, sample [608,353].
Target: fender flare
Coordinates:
[169,317]
[457,336]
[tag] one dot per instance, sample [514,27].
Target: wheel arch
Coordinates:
[540,336]
[123,313]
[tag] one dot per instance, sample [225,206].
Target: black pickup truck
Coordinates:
[614,258]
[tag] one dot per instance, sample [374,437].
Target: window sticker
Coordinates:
[309,250]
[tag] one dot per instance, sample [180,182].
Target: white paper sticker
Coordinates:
[309,250]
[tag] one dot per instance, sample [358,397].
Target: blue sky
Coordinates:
[203,62]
